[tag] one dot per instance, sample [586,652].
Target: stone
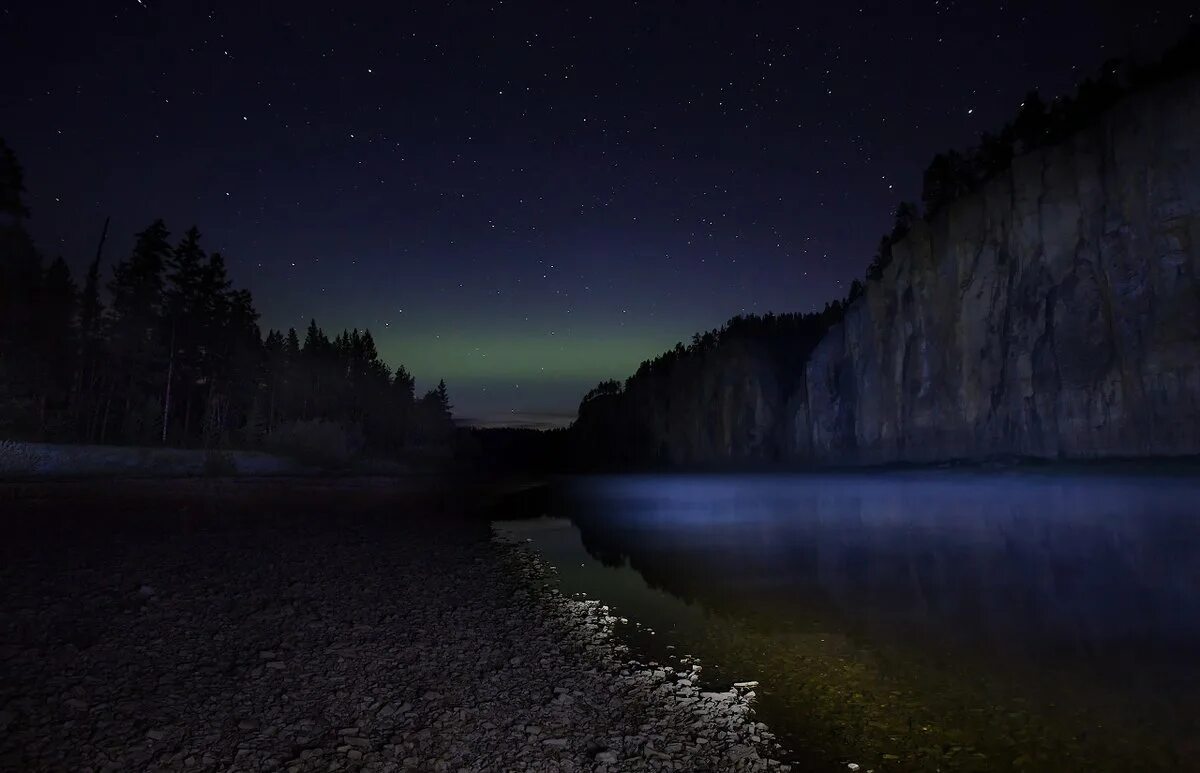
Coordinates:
[720,696]
[577,702]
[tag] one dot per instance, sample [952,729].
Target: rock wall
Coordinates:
[1053,313]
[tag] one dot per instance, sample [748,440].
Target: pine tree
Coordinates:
[1032,122]
[58,328]
[90,307]
[136,324]
[403,385]
[12,184]
[442,400]
[905,217]
[183,310]
[21,364]
[292,345]
[91,341]
[177,355]
[54,336]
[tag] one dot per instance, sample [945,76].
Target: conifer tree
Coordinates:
[443,399]
[183,311]
[91,341]
[12,184]
[176,354]
[136,322]
[20,280]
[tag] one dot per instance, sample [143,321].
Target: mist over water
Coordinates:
[945,619]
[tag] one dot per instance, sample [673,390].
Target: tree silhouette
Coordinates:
[12,184]
[175,355]
[442,400]
[137,348]
[57,330]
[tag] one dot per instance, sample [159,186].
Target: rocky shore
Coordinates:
[330,631]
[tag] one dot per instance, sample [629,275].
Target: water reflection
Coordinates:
[1074,598]
[1083,566]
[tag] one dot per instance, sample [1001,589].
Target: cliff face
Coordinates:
[1053,313]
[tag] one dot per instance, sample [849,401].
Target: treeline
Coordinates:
[677,407]
[954,174]
[172,354]
[675,403]
[787,338]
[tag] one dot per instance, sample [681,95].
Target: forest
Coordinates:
[162,349]
[954,174]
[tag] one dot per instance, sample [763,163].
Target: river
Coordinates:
[939,620]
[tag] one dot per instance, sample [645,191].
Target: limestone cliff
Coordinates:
[1053,313]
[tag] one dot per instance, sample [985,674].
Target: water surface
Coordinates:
[914,621]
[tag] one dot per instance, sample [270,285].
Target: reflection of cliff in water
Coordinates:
[1072,567]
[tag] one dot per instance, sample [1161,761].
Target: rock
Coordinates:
[720,697]
[1007,326]
[532,686]
[1051,313]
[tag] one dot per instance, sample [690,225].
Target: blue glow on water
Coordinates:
[1066,590]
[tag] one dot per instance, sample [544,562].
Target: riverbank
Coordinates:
[315,625]
[23,460]
[27,461]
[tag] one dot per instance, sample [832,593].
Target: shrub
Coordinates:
[19,458]
[315,442]
[218,464]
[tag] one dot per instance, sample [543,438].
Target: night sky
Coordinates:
[523,199]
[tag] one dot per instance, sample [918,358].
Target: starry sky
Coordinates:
[522,198]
